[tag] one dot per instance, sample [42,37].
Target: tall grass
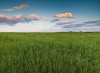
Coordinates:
[49,52]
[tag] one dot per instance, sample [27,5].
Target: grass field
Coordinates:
[50,52]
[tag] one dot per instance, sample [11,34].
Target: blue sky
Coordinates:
[49,15]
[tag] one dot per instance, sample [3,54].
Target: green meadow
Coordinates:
[50,52]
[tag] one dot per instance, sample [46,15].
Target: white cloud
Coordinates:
[40,26]
[44,26]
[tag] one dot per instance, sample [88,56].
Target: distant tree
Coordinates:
[71,31]
[80,31]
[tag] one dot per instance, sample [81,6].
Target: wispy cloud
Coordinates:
[92,22]
[12,20]
[39,26]
[21,7]
[64,23]
[88,23]
[55,20]
[65,15]
[45,26]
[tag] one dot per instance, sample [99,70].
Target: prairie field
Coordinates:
[68,52]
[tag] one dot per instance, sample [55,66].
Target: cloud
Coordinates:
[64,23]
[45,26]
[40,26]
[55,20]
[83,29]
[21,7]
[84,26]
[88,23]
[12,20]
[65,15]
[91,22]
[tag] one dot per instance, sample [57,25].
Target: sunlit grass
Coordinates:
[49,52]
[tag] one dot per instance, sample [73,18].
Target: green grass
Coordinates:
[49,52]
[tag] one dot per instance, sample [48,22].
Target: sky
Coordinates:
[49,15]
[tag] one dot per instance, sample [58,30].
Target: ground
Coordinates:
[50,52]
